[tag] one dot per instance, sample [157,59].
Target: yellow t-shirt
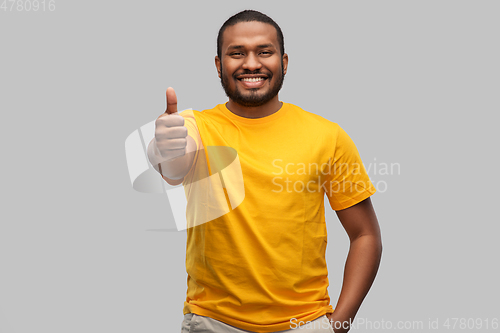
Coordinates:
[261,261]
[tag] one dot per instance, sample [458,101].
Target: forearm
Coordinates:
[359,273]
[176,168]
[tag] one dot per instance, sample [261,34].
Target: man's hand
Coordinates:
[171,151]
[170,132]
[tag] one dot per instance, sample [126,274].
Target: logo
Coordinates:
[213,187]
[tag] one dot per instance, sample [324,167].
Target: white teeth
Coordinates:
[253,79]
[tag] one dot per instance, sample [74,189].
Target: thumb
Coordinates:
[171,101]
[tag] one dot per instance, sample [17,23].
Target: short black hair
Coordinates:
[249,16]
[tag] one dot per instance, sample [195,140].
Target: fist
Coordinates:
[170,132]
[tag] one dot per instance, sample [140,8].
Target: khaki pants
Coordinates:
[194,323]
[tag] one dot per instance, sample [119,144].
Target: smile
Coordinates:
[253,79]
[252,82]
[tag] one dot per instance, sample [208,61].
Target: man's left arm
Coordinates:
[361,225]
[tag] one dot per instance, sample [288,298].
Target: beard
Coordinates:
[252,99]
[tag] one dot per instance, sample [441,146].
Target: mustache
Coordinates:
[253,73]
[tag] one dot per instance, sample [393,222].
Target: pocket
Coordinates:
[186,323]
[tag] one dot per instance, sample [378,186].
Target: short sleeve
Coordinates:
[348,181]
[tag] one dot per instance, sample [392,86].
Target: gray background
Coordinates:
[412,82]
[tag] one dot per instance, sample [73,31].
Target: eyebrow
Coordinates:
[238,47]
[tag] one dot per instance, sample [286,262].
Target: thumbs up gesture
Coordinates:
[170,132]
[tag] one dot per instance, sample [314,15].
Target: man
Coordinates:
[261,267]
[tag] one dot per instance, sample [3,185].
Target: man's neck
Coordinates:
[255,112]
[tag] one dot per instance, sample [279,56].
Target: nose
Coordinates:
[252,62]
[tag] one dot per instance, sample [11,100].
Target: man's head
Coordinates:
[251,59]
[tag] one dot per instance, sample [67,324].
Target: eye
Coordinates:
[236,54]
[266,52]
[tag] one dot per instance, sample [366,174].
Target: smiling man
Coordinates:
[261,267]
[254,68]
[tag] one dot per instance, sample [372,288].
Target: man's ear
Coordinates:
[285,63]
[217,65]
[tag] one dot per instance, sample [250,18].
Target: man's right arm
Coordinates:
[172,150]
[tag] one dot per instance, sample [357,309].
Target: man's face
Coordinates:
[251,69]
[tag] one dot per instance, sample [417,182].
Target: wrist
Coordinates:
[154,155]
[339,322]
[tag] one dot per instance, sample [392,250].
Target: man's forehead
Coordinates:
[252,33]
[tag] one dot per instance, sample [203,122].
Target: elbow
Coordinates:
[371,243]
